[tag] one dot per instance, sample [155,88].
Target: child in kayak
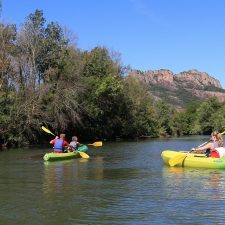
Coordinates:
[59,143]
[74,143]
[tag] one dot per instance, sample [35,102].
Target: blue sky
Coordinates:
[177,35]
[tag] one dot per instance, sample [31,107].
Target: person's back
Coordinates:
[59,143]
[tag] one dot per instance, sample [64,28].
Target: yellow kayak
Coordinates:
[192,160]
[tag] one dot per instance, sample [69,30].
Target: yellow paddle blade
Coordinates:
[97,144]
[47,130]
[177,159]
[84,155]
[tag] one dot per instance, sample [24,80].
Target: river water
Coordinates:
[122,183]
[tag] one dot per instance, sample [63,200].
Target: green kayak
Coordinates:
[52,156]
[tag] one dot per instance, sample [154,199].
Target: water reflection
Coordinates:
[202,183]
[98,168]
[60,176]
[55,176]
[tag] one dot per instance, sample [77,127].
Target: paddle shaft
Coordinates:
[208,141]
[203,144]
[47,131]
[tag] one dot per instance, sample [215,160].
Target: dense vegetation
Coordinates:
[46,80]
[170,96]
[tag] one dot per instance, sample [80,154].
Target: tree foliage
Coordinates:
[45,80]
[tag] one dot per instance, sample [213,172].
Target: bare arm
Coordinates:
[207,146]
[52,141]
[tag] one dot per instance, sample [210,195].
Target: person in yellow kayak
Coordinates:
[216,142]
[59,143]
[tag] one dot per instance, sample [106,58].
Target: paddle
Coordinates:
[47,130]
[82,154]
[97,144]
[178,159]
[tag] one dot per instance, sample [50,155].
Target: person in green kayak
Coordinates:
[216,141]
[74,143]
[59,143]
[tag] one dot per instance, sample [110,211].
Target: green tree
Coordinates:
[164,117]
[7,48]
[46,79]
[7,79]
[103,100]
[218,119]
[206,114]
[99,63]
[141,116]
[188,120]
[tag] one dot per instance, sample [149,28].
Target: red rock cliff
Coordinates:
[180,88]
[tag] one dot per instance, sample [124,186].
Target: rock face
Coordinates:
[162,76]
[197,78]
[179,89]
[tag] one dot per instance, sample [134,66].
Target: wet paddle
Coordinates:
[82,154]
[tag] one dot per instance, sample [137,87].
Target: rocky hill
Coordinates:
[180,89]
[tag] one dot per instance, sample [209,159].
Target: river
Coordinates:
[121,183]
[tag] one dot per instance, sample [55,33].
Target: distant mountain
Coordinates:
[180,89]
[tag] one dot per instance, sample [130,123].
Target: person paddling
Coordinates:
[59,143]
[216,141]
[218,152]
